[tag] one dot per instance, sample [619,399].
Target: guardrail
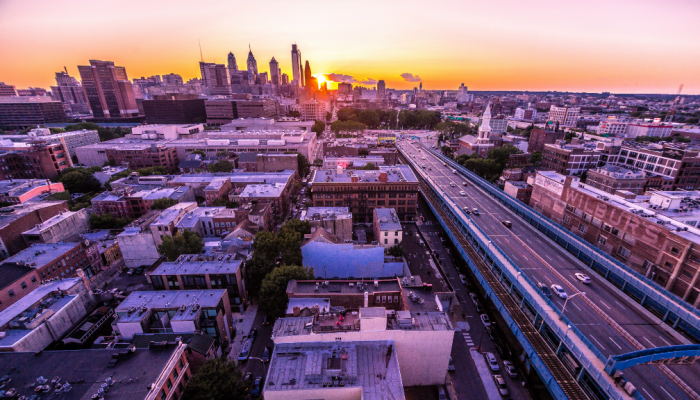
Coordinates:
[670,308]
[493,257]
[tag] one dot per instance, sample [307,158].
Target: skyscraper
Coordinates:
[108,90]
[311,82]
[285,79]
[297,78]
[232,66]
[215,79]
[274,72]
[462,94]
[70,93]
[381,89]
[252,67]
[420,87]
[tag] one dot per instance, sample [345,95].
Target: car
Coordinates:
[452,184]
[507,223]
[253,334]
[463,193]
[485,320]
[454,171]
[266,355]
[130,271]
[451,365]
[422,158]
[257,386]
[478,307]
[559,291]
[474,298]
[423,166]
[467,210]
[501,385]
[544,289]
[510,369]
[430,168]
[582,277]
[493,363]
[475,211]
[441,393]
[266,320]
[464,183]
[247,379]
[463,278]
[444,164]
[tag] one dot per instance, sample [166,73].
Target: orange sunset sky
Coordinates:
[629,46]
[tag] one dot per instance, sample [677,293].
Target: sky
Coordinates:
[621,46]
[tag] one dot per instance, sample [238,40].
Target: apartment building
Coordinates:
[387,227]
[565,116]
[677,164]
[655,130]
[21,190]
[540,137]
[18,218]
[33,159]
[54,260]
[611,179]
[20,112]
[570,159]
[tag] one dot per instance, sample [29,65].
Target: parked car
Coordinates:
[463,278]
[492,362]
[474,297]
[257,386]
[544,289]
[510,369]
[507,223]
[478,308]
[441,393]
[464,183]
[266,320]
[485,320]
[501,385]
[253,334]
[559,291]
[266,355]
[247,379]
[451,365]
[582,277]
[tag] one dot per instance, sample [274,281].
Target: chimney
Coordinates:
[354,178]
[383,177]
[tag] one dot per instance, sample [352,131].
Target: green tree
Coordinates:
[370,166]
[224,203]
[273,290]
[107,221]
[369,118]
[163,203]
[319,127]
[296,225]
[536,157]
[80,180]
[329,116]
[303,164]
[318,162]
[396,250]
[157,170]
[184,242]
[221,166]
[216,379]
[344,114]
[60,196]
[294,114]
[222,153]
[200,152]
[363,152]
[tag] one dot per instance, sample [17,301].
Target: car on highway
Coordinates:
[423,166]
[444,164]
[544,289]
[464,183]
[510,369]
[463,193]
[559,291]
[507,223]
[463,279]
[485,320]
[451,365]
[452,184]
[422,158]
[257,386]
[474,298]
[493,363]
[467,210]
[501,385]
[475,211]
[454,171]
[582,277]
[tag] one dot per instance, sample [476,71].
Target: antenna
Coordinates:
[200,49]
[65,69]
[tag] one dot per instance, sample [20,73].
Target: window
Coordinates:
[386,233]
[629,238]
[566,219]
[33,279]
[23,285]
[601,239]
[386,241]
[615,231]
[396,241]
[668,265]
[11,293]
[389,300]
[623,252]
[583,228]
[396,233]
[674,250]
[396,299]
[383,299]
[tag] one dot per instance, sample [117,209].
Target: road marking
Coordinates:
[574,304]
[596,340]
[603,303]
[550,258]
[623,307]
[548,280]
[663,340]
[649,341]
[527,260]
[669,394]
[648,395]
[611,339]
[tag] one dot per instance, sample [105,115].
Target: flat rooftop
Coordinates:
[171,299]
[18,187]
[12,213]
[50,222]
[309,366]
[316,213]
[40,254]
[395,174]
[170,214]
[192,217]
[358,287]
[238,177]
[189,264]
[388,219]
[87,370]
[262,190]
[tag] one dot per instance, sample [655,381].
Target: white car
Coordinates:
[493,363]
[463,279]
[463,193]
[501,385]
[452,184]
[454,171]
[582,277]
[510,369]
[559,291]
[485,320]
[422,158]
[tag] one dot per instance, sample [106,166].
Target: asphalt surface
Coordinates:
[650,381]
[264,339]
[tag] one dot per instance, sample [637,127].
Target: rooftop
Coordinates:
[18,187]
[51,222]
[86,371]
[190,264]
[519,184]
[40,254]
[262,190]
[170,192]
[171,299]
[10,214]
[169,215]
[237,177]
[370,366]
[358,286]
[317,213]
[620,172]
[387,219]
[10,272]
[192,217]
[395,174]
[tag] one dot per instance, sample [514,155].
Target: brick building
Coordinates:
[610,179]
[17,219]
[175,109]
[640,234]
[19,112]
[155,155]
[350,294]
[54,260]
[675,162]
[15,282]
[33,159]
[20,190]
[540,137]
[569,159]
[519,190]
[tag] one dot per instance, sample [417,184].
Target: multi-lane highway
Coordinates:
[611,322]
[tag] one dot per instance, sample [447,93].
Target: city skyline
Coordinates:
[531,47]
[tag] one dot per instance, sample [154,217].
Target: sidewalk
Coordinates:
[485,374]
[243,322]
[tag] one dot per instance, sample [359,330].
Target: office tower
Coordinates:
[172,79]
[274,72]
[252,67]
[285,79]
[381,89]
[311,82]
[297,78]
[69,92]
[420,86]
[232,66]
[344,88]
[108,90]
[215,79]
[463,95]
[262,78]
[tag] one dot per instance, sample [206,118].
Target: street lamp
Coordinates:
[517,277]
[567,300]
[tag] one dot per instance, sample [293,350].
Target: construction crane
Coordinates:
[672,111]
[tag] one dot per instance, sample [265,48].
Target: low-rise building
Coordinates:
[34,159]
[137,242]
[269,162]
[15,282]
[124,203]
[192,271]
[18,218]
[54,260]
[335,220]
[519,190]
[349,295]
[276,194]
[261,215]
[176,311]
[20,112]
[570,159]
[676,164]
[540,137]
[70,140]
[655,130]
[565,116]
[200,181]
[136,153]
[63,227]
[102,248]
[387,227]
[166,222]
[208,221]
[352,162]
[611,179]
[107,173]
[21,190]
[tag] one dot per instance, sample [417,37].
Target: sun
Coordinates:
[322,78]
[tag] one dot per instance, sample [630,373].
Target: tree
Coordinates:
[536,157]
[294,114]
[273,290]
[107,221]
[396,250]
[362,152]
[222,153]
[370,166]
[224,203]
[369,118]
[329,116]
[347,126]
[79,180]
[296,225]
[216,379]
[319,127]
[163,203]
[318,162]
[157,170]
[184,242]
[303,165]
[200,152]
[221,166]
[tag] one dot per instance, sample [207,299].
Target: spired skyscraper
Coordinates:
[274,72]
[297,72]
[252,67]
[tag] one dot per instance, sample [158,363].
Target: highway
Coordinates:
[544,261]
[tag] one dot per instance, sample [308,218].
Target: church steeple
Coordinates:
[485,126]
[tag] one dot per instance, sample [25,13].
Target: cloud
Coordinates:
[333,77]
[410,77]
[368,81]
